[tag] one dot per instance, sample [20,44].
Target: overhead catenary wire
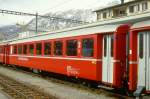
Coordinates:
[37,16]
[31,14]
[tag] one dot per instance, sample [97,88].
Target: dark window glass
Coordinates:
[138,7]
[38,48]
[19,49]
[71,48]
[24,49]
[14,49]
[105,46]
[88,47]
[31,49]
[104,15]
[112,46]
[131,9]
[141,45]
[144,6]
[122,12]
[58,46]
[47,48]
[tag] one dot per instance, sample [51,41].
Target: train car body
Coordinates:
[139,56]
[91,53]
[112,52]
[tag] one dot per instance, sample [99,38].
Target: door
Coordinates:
[144,59]
[6,54]
[107,66]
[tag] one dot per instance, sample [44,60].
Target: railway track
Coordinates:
[18,90]
[108,93]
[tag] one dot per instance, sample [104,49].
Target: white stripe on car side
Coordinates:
[67,58]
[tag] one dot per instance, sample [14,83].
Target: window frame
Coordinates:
[141,46]
[137,7]
[104,15]
[1,50]
[105,46]
[15,45]
[26,49]
[18,45]
[88,37]
[133,10]
[62,47]
[144,7]
[35,48]
[29,48]
[51,47]
[66,47]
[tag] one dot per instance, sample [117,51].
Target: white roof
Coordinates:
[70,33]
[141,24]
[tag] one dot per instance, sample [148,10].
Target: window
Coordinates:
[109,13]
[131,9]
[141,45]
[71,48]
[14,49]
[122,12]
[19,49]
[24,49]
[98,15]
[31,49]
[138,7]
[104,15]
[112,46]
[1,50]
[144,6]
[38,48]
[47,48]
[58,46]
[105,46]
[88,47]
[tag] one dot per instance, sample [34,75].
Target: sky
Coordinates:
[42,7]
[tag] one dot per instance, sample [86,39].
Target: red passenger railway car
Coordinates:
[139,56]
[91,53]
[111,54]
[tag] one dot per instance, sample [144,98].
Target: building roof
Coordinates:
[118,5]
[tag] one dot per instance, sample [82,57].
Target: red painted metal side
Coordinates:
[2,55]
[120,55]
[78,68]
[133,61]
[99,51]
[84,67]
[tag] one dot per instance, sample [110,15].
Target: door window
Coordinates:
[112,46]
[141,45]
[105,46]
